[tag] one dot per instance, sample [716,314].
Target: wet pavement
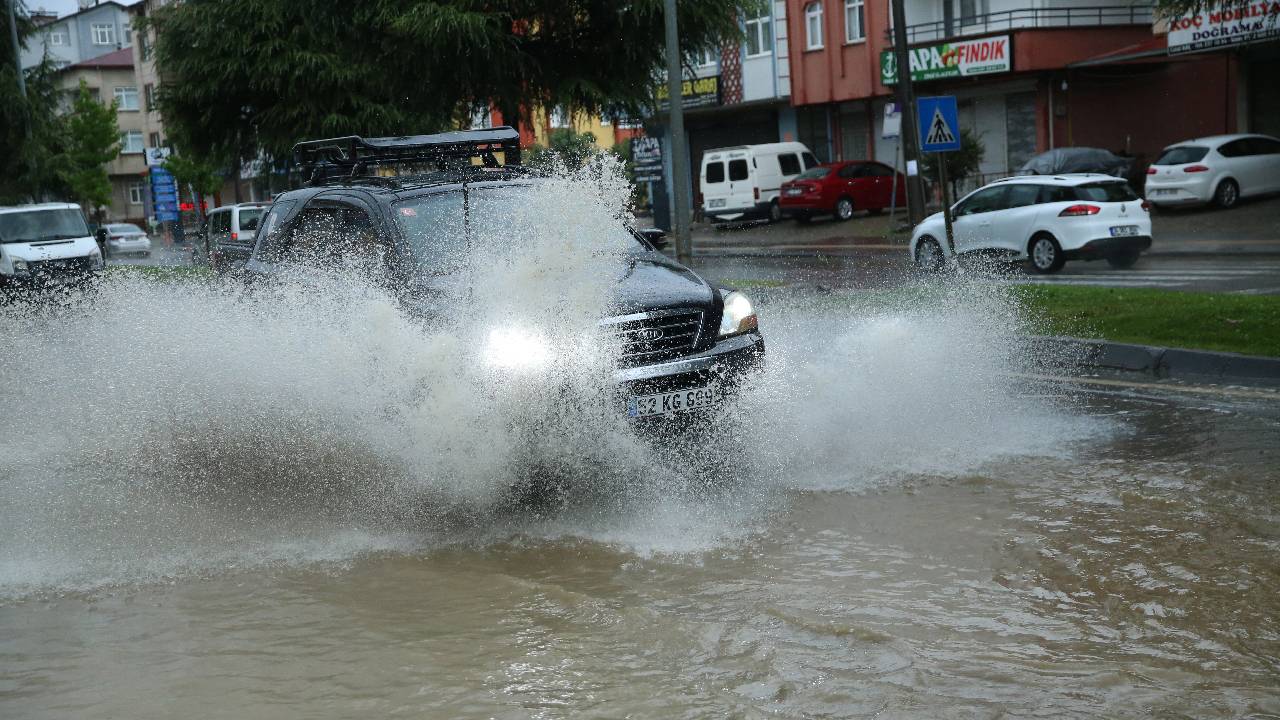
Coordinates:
[914,527]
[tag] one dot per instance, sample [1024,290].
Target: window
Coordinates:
[58,36]
[1182,155]
[135,193]
[1266,146]
[144,46]
[970,10]
[154,140]
[103,34]
[875,169]
[1107,191]
[149,96]
[813,26]
[855,27]
[759,36]
[128,34]
[737,170]
[1057,193]
[850,171]
[131,142]
[789,163]
[126,98]
[1022,195]
[809,160]
[707,56]
[983,201]
[559,118]
[715,172]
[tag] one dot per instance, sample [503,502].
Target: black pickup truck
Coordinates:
[681,343]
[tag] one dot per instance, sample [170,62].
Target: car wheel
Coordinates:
[1046,254]
[844,209]
[1123,260]
[1227,194]
[775,212]
[929,255]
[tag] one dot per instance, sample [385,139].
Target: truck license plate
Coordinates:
[673,402]
[716,204]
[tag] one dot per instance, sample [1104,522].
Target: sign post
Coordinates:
[892,129]
[939,133]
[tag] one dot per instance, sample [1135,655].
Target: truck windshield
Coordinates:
[440,234]
[38,225]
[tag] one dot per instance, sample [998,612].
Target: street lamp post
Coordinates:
[17,51]
[907,103]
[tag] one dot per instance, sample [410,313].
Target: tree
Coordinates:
[32,134]
[573,148]
[243,75]
[961,163]
[93,140]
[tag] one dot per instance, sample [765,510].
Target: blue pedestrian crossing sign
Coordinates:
[939,123]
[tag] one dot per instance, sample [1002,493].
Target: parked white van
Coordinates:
[743,182]
[50,241]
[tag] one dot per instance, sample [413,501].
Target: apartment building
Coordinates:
[95,30]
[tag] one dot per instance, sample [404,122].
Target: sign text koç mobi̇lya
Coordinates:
[1223,27]
[694,92]
[961,58]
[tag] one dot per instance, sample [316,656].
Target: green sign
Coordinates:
[954,59]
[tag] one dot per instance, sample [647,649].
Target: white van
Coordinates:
[49,241]
[743,182]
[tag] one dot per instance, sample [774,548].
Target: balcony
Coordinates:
[1029,19]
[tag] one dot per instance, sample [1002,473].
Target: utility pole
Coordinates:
[907,102]
[679,156]
[17,51]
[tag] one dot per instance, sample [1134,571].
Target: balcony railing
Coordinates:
[1029,18]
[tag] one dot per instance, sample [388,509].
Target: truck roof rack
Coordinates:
[354,156]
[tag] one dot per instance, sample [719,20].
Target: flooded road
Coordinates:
[1088,551]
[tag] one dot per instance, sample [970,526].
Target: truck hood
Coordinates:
[50,249]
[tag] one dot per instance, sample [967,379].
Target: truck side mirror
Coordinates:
[655,237]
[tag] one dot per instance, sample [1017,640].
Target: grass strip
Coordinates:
[160,272]
[1248,324]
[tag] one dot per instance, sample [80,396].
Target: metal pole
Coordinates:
[893,187]
[679,155]
[946,205]
[17,52]
[907,101]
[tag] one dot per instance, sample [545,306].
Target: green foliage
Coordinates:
[960,164]
[248,74]
[92,142]
[199,174]
[32,135]
[570,146]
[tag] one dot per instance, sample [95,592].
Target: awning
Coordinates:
[1156,46]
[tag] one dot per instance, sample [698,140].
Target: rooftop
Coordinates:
[122,58]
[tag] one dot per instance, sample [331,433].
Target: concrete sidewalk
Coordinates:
[1252,228]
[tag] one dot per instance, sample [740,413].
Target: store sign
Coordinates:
[646,157]
[954,59]
[157,155]
[1224,27]
[694,92]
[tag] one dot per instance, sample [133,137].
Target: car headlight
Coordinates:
[517,349]
[19,267]
[739,317]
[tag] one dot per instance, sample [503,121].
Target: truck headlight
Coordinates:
[517,349]
[739,317]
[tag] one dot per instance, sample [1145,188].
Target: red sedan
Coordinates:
[840,189]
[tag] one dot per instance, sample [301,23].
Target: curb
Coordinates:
[1162,362]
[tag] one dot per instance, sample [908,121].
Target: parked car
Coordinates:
[49,242]
[1220,169]
[230,232]
[682,343]
[842,188]
[127,239]
[745,182]
[1046,220]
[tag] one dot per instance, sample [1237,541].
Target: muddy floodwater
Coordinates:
[308,501]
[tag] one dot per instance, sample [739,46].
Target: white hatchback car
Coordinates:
[127,239]
[1046,219]
[1219,169]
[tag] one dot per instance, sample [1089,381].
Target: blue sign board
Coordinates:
[939,123]
[164,194]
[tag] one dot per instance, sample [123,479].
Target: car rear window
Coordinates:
[1106,192]
[715,172]
[737,170]
[1182,155]
[249,218]
[816,173]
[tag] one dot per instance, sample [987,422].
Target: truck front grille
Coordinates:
[652,336]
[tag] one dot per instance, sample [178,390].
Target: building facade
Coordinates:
[111,78]
[1029,76]
[95,30]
